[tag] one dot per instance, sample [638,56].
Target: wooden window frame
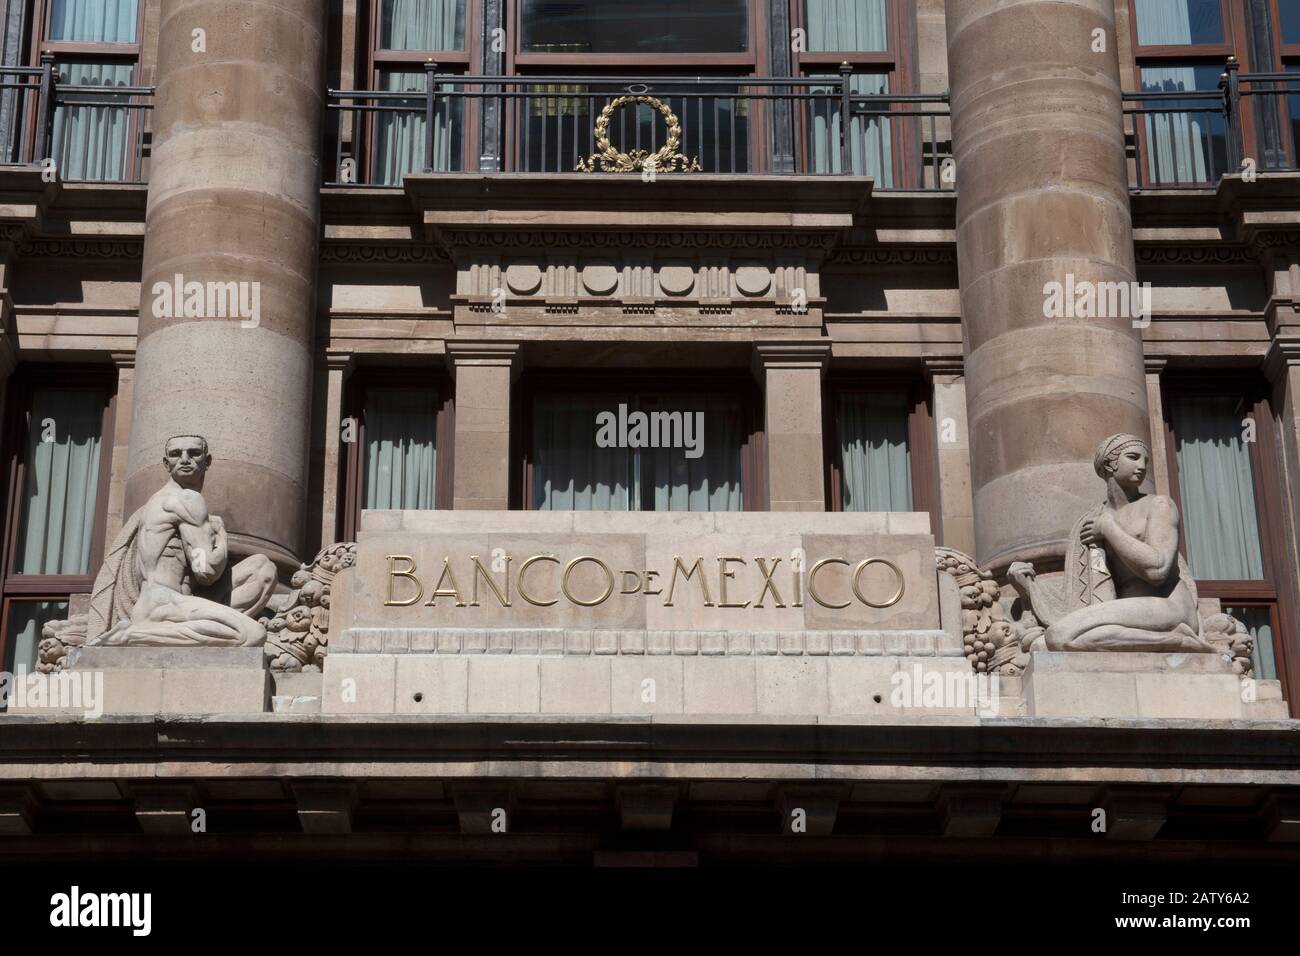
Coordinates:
[49,587]
[753,452]
[897,62]
[352,460]
[468,60]
[63,50]
[920,436]
[1274,589]
[1236,31]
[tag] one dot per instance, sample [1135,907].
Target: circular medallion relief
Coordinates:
[523,278]
[600,278]
[677,278]
[752,279]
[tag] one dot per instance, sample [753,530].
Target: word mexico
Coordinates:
[651,430]
[543,580]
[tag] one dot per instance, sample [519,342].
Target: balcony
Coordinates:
[832,125]
[81,116]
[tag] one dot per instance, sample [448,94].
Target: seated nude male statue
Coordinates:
[1126,586]
[168,566]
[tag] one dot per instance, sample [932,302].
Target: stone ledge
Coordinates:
[574,642]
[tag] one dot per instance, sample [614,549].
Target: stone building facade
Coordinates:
[908,264]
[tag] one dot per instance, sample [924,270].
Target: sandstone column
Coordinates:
[791,374]
[484,372]
[1041,196]
[234,197]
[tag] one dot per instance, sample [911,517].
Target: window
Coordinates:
[605,446]
[879,438]
[1221,449]
[1286,94]
[1181,46]
[407,34]
[96,134]
[57,483]
[873,37]
[399,456]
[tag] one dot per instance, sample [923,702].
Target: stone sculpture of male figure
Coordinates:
[164,581]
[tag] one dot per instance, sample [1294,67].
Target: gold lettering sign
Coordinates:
[635,581]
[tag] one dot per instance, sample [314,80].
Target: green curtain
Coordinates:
[94,21]
[870,149]
[1259,623]
[712,481]
[401,448]
[422,25]
[572,473]
[1218,493]
[400,137]
[26,618]
[846,25]
[875,463]
[62,482]
[91,142]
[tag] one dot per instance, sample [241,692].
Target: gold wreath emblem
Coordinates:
[609,160]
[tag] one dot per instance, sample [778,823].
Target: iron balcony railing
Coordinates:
[84,131]
[1189,139]
[822,125]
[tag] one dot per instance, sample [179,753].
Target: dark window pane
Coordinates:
[422,25]
[1293,110]
[1290,11]
[660,26]
[557,126]
[1179,22]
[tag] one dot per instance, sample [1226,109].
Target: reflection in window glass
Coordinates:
[572,471]
[1186,141]
[61,483]
[1179,22]
[663,26]
[23,637]
[422,25]
[92,142]
[857,25]
[1259,622]
[93,21]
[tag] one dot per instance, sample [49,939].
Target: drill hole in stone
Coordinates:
[417,697]
[876,698]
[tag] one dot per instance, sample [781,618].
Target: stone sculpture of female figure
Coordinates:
[1127,588]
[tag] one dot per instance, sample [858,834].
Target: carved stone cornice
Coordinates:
[943,368]
[892,256]
[382,253]
[463,240]
[500,354]
[84,247]
[1184,254]
[792,354]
